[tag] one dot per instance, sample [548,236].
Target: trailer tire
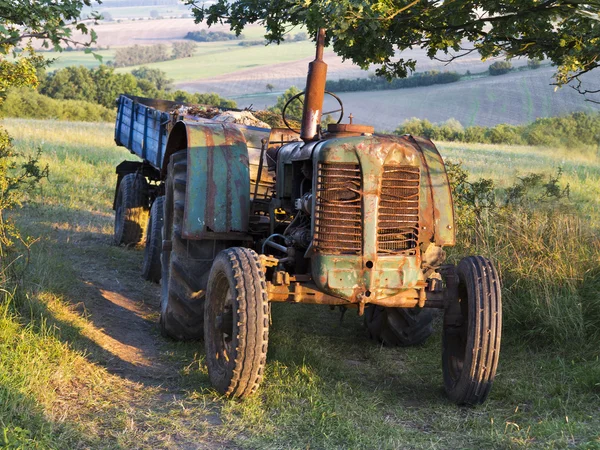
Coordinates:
[151,270]
[472,332]
[131,210]
[402,327]
[185,263]
[236,318]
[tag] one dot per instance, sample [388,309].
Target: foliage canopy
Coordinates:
[567,32]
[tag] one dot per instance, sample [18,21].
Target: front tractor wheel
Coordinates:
[472,329]
[236,322]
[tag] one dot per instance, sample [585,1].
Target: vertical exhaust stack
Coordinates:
[315,92]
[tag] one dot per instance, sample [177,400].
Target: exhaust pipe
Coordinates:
[315,93]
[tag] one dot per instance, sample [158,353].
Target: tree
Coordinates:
[566,32]
[534,63]
[294,110]
[156,76]
[183,50]
[270,87]
[70,83]
[154,14]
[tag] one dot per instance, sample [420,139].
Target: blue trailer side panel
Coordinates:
[142,128]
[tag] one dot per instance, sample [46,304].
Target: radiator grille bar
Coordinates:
[398,220]
[338,223]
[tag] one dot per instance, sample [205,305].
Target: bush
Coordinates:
[500,68]
[28,103]
[374,83]
[183,50]
[542,249]
[504,134]
[212,36]
[156,77]
[140,54]
[252,43]
[576,130]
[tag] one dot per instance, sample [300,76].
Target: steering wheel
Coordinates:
[298,98]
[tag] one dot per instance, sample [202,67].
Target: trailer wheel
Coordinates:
[472,329]
[151,265]
[185,263]
[236,319]
[398,326]
[131,210]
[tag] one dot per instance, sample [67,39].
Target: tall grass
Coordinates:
[547,246]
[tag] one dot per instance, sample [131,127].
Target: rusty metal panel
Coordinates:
[217,202]
[370,274]
[440,192]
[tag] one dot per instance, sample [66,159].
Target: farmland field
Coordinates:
[101,375]
[515,98]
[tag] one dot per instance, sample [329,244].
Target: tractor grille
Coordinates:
[338,223]
[398,220]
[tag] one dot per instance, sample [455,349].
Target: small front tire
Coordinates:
[472,332]
[236,322]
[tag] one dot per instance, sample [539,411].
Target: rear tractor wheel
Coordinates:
[185,263]
[151,265]
[472,330]
[131,210]
[402,327]
[236,322]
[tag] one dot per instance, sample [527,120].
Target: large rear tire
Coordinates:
[151,269]
[185,263]
[402,327]
[236,322]
[131,210]
[472,331]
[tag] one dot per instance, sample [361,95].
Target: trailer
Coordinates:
[143,126]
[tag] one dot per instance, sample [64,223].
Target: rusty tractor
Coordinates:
[236,217]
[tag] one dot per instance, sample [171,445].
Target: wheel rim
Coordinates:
[221,319]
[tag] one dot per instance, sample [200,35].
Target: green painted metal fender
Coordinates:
[217,201]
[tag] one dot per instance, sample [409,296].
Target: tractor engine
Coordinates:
[370,212]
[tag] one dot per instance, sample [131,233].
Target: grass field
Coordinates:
[210,59]
[85,366]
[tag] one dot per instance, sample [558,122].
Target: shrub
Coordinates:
[27,103]
[183,50]
[504,134]
[140,54]
[500,68]
[541,248]
[576,130]
[212,36]
[379,83]
[157,77]
[416,127]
